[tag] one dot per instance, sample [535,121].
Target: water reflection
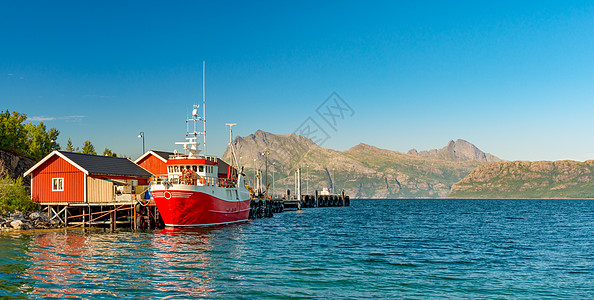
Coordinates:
[58,264]
[189,259]
[162,264]
[182,259]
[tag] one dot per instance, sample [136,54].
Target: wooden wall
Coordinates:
[57,167]
[99,191]
[154,165]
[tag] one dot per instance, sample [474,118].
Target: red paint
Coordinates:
[154,165]
[74,181]
[191,208]
[57,167]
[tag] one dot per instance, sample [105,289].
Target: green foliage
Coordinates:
[30,140]
[40,141]
[108,152]
[14,196]
[12,131]
[70,146]
[88,148]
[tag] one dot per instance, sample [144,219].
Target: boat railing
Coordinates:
[196,179]
[229,183]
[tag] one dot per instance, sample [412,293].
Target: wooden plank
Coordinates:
[99,191]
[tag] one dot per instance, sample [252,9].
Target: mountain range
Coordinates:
[363,171]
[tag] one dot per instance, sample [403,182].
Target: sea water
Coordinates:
[402,248]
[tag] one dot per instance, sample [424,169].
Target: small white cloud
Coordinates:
[73,118]
[66,118]
[40,119]
[10,74]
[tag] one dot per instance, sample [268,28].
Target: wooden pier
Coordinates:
[319,199]
[316,200]
[137,215]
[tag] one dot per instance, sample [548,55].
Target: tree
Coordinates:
[31,140]
[88,148]
[108,152]
[12,131]
[70,146]
[40,141]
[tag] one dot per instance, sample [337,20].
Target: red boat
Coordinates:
[200,190]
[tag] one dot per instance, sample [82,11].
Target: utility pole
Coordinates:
[307,180]
[266,153]
[141,135]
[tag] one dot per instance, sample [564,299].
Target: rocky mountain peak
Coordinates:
[363,171]
[458,150]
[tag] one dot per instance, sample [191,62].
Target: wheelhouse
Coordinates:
[202,171]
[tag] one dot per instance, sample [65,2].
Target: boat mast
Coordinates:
[204,103]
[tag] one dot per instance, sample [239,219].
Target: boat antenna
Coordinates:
[204,103]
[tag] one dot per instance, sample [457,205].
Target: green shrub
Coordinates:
[14,195]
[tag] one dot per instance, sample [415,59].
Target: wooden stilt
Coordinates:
[111,220]
[66,216]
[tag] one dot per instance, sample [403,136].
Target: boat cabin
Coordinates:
[203,171]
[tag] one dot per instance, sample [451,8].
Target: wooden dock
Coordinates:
[316,200]
[135,214]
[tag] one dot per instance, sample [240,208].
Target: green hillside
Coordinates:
[523,179]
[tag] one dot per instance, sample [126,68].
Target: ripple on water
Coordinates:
[429,248]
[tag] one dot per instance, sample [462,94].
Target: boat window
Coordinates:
[200,169]
[195,168]
[176,168]
[170,169]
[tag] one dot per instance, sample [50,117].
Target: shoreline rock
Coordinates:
[19,221]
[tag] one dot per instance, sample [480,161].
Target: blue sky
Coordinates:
[513,78]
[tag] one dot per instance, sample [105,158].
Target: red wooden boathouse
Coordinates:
[65,177]
[154,162]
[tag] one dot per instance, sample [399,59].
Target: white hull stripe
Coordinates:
[202,225]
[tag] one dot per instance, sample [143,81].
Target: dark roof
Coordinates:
[106,165]
[163,154]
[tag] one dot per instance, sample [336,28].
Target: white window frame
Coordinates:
[61,185]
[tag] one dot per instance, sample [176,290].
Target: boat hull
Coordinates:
[187,208]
